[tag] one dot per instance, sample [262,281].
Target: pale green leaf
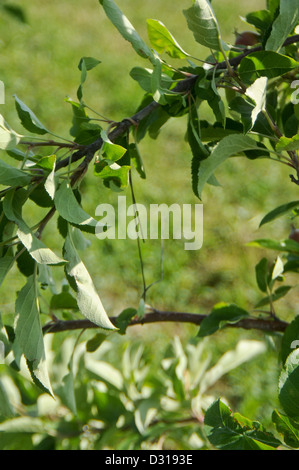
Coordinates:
[245,351]
[69,208]
[289,385]
[88,301]
[6,263]
[163,41]
[257,92]
[29,334]
[126,29]
[11,176]
[28,118]
[8,137]
[203,24]
[278,268]
[283,25]
[12,207]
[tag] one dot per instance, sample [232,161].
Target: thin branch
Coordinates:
[236,60]
[52,143]
[158,316]
[123,126]
[182,86]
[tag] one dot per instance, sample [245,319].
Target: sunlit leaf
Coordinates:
[202,22]
[13,203]
[28,118]
[163,41]
[88,299]
[126,28]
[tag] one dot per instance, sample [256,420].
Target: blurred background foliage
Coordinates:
[39,55]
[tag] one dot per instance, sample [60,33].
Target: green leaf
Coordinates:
[85,64]
[227,147]
[261,272]
[12,206]
[8,137]
[272,6]
[221,315]
[265,64]
[202,22]
[88,300]
[28,118]
[126,29]
[199,151]
[124,318]
[288,143]
[95,342]
[289,385]
[80,117]
[136,159]
[289,246]
[290,339]
[276,295]
[283,25]
[63,301]
[144,77]
[287,427]
[17,154]
[232,431]
[6,263]
[11,176]
[25,262]
[114,174]
[157,89]
[69,208]
[209,92]
[46,163]
[111,151]
[89,63]
[6,408]
[217,414]
[278,212]
[67,389]
[16,12]
[49,163]
[261,19]
[163,41]
[40,196]
[29,334]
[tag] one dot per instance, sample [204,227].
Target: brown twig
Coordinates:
[120,128]
[51,143]
[158,316]
[235,61]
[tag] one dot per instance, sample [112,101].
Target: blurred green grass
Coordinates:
[38,62]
